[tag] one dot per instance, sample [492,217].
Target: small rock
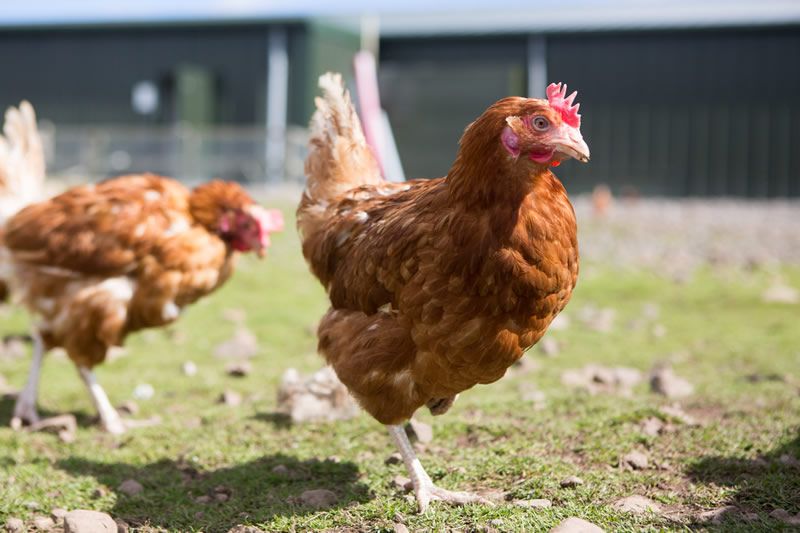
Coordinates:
[239,370]
[44,523]
[402,483]
[571,481]
[320,396]
[394,459]
[419,431]
[131,487]
[664,381]
[540,503]
[280,470]
[122,525]
[189,368]
[596,379]
[636,505]
[549,347]
[318,498]
[598,319]
[676,412]
[785,517]
[129,408]
[98,493]
[82,521]
[781,293]
[222,493]
[143,391]
[635,460]
[576,525]
[789,460]
[242,345]
[58,514]
[659,331]
[204,499]
[230,398]
[31,505]
[400,528]
[652,426]
[15,525]
[533,395]
[716,516]
[237,316]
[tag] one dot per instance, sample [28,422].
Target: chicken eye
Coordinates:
[540,123]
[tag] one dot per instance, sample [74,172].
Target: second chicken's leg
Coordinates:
[424,489]
[109,417]
[25,407]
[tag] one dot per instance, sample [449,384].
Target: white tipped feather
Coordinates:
[22,161]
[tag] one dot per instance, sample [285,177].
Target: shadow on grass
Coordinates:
[177,496]
[760,485]
[277,420]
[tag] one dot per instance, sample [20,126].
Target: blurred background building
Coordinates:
[681,98]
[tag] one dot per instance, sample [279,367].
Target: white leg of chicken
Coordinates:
[424,489]
[109,417]
[25,406]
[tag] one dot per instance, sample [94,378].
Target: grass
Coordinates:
[718,333]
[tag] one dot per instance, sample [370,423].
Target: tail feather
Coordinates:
[22,161]
[339,158]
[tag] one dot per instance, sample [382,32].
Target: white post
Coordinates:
[537,66]
[277,103]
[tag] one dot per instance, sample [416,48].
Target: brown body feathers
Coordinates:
[435,285]
[98,262]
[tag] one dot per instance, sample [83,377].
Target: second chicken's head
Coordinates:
[226,208]
[546,132]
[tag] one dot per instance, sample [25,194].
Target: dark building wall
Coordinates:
[667,113]
[85,76]
[432,88]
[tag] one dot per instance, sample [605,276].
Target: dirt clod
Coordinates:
[83,521]
[576,525]
[636,504]
[635,460]
[571,481]
[318,498]
[539,503]
[664,381]
[131,487]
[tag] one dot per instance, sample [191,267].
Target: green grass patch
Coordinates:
[718,332]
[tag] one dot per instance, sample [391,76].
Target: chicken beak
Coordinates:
[569,142]
[268,221]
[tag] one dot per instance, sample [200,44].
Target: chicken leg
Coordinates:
[25,406]
[109,417]
[424,489]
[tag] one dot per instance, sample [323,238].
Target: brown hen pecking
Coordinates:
[98,262]
[438,285]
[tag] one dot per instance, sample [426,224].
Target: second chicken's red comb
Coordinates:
[557,96]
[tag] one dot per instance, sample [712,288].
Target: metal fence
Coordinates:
[187,153]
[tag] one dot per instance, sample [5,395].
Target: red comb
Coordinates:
[557,96]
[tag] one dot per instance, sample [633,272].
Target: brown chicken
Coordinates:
[438,285]
[100,261]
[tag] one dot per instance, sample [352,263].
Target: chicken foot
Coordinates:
[25,406]
[424,489]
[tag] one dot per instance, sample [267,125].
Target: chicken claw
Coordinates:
[24,413]
[424,489]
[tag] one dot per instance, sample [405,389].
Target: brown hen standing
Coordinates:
[96,263]
[438,285]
